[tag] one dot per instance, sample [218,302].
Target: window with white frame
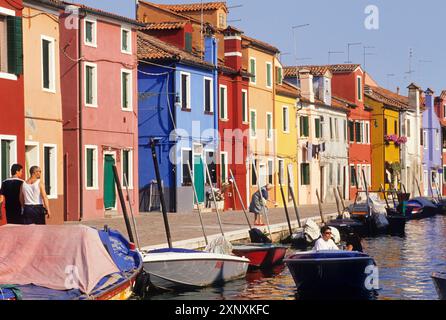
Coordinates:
[269,126]
[11,44]
[224,167]
[127,167]
[126,40]
[270,171]
[90,32]
[186,158]
[48,64]
[50,170]
[211,163]
[3,44]
[91,168]
[285,119]
[126,90]
[367,133]
[253,124]
[269,75]
[425,140]
[359,87]
[253,70]
[281,165]
[223,102]
[185,91]
[8,156]
[208,95]
[245,106]
[336,129]
[91,84]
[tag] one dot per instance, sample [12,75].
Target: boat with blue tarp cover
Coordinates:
[332,272]
[72,263]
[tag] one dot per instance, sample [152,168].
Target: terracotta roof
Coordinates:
[54,3]
[387,97]
[344,101]
[195,6]
[319,71]
[288,90]
[165,25]
[151,48]
[173,13]
[103,13]
[260,44]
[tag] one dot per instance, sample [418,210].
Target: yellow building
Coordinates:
[285,117]
[386,136]
[43,99]
[260,59]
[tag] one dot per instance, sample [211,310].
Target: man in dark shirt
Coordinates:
[10,194]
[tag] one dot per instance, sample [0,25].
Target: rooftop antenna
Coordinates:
[238,20]
[295,48]
[348,49]
[333,52]
[367,54]
[411,71]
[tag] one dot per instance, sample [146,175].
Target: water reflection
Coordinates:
[405,266]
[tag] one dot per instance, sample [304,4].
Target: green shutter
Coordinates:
[253,123]
[125,102]
[46,63]
[317,124]
[268,75]
[269,125]
[15,45]
[253,70]
[89,32]
[125,165]
[244,106]
[306,127]
[125,40]
[188,42]
[89,85]
[222,104]
[90,168]
[5,152]
[47,160]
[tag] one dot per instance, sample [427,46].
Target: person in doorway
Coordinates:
[10,194]
[258,204]
[325,242]
[34,199]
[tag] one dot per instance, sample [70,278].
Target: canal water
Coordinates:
[405,268]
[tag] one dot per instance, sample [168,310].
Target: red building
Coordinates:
[440,110]
[348,83]
[12,110]
[233,125]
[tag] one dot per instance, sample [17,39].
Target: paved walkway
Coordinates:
[187,226]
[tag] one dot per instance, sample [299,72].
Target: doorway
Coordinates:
[109,183]
[199,177]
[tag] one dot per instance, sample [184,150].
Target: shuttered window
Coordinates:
[245,106]
[317,128]
[208,99]
[304,126]
[252,70]
[253,124]
[285,119]
[223,103]
[224,167]
[269,126]
[5,159]
[90,85]
[187,157]
[3,45]
[185,91]
[188,42]
[269,75]
[14,45]
[126,91]
[351,130]
[90,32]
[305,174]
[46,63]
[90,168]
[358,132]
[127,170]
[279,75]
[126,40]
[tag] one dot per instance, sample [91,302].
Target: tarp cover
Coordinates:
[54,257]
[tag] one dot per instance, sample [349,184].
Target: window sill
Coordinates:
[53,91]
[91,189]
[126,110]
[126,52]
[91,106]
[92,45]
[52,197]
[8,76]
[209,113]
[186,109]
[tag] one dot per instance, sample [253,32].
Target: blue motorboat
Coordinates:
[440,284]
[119,264]
[333,272]
[419,208]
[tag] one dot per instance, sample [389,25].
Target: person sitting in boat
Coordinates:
[257,204]
[325,242]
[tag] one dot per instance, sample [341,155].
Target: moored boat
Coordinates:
[332,272]
[440,284]
[419,208]
[71,263]
[181,269]
[261,255]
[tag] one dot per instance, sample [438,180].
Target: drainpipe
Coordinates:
[81,180]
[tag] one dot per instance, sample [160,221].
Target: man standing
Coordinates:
[34,199]
[10,192]
[258,203]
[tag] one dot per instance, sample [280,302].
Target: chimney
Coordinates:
[398,90]
[414,96]
[210,45]
[324,93]
[429,99]
[233,48]
[306,84]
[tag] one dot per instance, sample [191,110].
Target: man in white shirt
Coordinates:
[325,243]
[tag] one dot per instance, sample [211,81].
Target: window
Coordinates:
[90,33]
[351,130]
[281,164]
[359,88]
[304,126]
[330,174]
[91,167]
[408,128]
[336,129]
[208,95]
[222,20]
[48,64]
[127,167]
[331,128]
[358,132]
[352,176]
[253,124]
[50,170]
[223,103]
[269,75]
[126,41]
[437,140]
[253,70]
[317,128]
[245,106]
[11,45]
[285,120]
[339,175]
[279,75]
[186,158]
[126,90]
[224,166]
[185,91]
[8,156]
[305,174]
[345,131]
[188,41]
[212,166]
[367,133]
[90,85]
[359,173]
[253,173]
[395,127]
[269,126]
[425,141]
[386,128]
[271,172]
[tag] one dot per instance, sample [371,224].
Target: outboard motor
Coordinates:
[257,236]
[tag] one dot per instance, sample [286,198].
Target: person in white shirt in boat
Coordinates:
[325,242]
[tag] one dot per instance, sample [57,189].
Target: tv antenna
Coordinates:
[348,49]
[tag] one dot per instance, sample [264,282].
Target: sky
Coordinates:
[402,26]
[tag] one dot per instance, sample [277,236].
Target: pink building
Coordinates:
[99,90]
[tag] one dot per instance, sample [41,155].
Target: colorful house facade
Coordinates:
[440,110]
[178,108]
[432,143]
[12,110]
[43,99]
[100,114]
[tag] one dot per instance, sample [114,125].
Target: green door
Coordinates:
[199,178]
[109,183]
